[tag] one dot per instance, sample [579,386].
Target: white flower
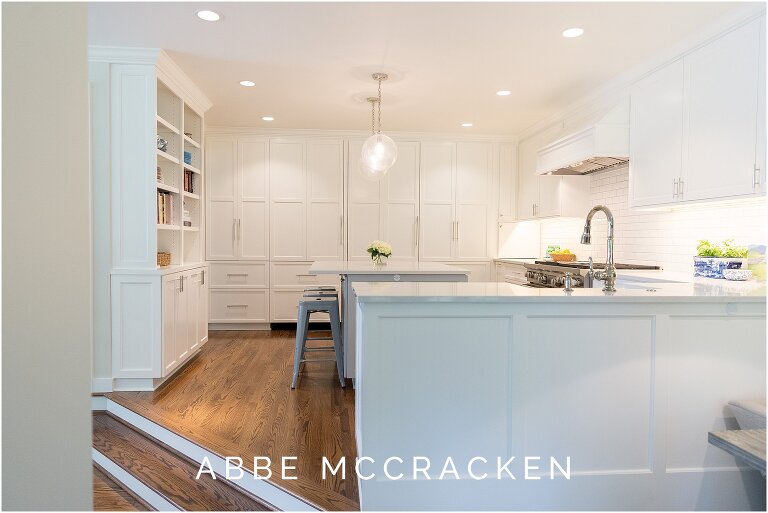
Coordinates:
[379,247]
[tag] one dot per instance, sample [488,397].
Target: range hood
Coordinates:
[602,145]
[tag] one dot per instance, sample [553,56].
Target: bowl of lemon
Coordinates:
[563,255]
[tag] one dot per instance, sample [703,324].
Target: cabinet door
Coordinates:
[221,189]
[170,287]
[437,225]
[656,137]
[253,176]
[288,187]
[192,289]
[202,310]
[400,203]
[325,200]
[721,105]
[548,204]
[364,219]
[473,199]
[182,339]
[507,181]
[527,184]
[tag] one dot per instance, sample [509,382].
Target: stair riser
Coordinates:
[263,489]
[145,493]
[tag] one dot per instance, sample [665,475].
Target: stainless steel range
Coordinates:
[549,274]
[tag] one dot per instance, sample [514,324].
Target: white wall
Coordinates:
[46,353]
[664,238]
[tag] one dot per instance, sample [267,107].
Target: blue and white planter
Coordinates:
[710,267]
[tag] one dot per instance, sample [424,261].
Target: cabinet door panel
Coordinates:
[221,230]
[324,236]
[402,181]
[253,164]
[721,113]
[253,231]
[656,136]
[364,226]
[361,189]
[437,172]
[287,171]
[239,305]
[220,168]
[473,165]
[507,180]
[325,170]
[400,230]
[181,341]
[549,196]
[192,292]
[287,231]
[527,184]
[202,310]
[169,324]
[437,232]
[472,231]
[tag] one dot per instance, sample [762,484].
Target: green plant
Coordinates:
[724,250]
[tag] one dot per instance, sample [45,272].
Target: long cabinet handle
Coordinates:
[675,188]
[234,229]
[341,230]
[682,187]
[418,229]
[202,277]
[237,306]
[457,230]
[239,231]
[307,275]
[237,274]
[181,283]
[756,177]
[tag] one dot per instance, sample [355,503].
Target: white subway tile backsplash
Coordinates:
[664,238]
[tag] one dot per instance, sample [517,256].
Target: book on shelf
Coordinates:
[189,181]
[164,207]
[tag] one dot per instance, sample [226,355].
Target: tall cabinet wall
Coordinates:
[158,315]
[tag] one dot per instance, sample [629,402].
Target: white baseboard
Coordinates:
[101,385]
[98,403]
[260,488]
[238,326]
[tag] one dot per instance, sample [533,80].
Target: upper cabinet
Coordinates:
[507,181]
[385,210]
[307,199]
[697,126]
[238,194]
[455,214]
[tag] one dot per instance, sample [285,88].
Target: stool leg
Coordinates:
[337,343]
[301,340]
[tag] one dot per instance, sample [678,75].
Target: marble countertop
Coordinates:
[394,267]
[698,290]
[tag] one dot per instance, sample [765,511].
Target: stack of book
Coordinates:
[189,182]
[164,207]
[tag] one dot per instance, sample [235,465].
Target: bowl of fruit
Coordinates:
[563,255]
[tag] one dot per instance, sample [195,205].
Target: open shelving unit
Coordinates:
[179,178]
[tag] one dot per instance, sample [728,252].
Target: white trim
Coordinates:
[123,55]
[238,326]
[98,403]
[611,91]
[101,385]
[310,132]
[173,76]
[262,489]
[130,482]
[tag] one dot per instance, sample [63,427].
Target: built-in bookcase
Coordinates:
[179,178]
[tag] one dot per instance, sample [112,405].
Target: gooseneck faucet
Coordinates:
[609,274]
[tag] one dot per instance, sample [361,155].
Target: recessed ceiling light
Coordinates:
[267,118]
[208,15]
[573,32]
[466,125]
[247,83]
[503,93]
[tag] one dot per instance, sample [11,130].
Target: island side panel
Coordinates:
[467,379]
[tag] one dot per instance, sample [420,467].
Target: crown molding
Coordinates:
[612,91]
[353,134]
[174,77]
[123,55]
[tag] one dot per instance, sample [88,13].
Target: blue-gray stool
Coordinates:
[321,302]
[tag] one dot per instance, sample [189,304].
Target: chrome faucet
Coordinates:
[609,274]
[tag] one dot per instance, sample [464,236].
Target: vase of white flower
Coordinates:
[379,251]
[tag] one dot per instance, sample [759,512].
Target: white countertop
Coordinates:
[395,267]
[516,260]
[699,290]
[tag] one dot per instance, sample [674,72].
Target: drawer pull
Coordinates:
[237,274]
[307,275]
[237,306]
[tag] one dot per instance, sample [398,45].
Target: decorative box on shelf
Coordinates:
[163,259]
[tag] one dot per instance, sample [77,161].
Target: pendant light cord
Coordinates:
[379,106]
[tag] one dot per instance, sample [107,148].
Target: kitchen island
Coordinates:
[618,392]
[395,271]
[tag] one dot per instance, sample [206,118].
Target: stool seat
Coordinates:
[318,302]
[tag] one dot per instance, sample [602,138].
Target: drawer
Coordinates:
[296,274]
[239,305]
[246,274]
[478,271]
[284,306]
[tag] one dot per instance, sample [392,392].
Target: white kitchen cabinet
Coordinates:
[541,197]
[238,199]
[697,126]
[307,199]
[455,206]
[184,317]
[478,271]
[507,181]
[385,210]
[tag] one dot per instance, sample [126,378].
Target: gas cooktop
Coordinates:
[597,265]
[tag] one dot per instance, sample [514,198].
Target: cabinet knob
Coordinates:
[396,277]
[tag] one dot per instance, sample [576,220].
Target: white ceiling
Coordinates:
[311,62]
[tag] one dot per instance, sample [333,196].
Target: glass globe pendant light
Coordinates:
[379,151]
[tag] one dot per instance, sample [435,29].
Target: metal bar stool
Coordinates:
[318,302]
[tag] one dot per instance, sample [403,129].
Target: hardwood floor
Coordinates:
[108,495]
[235,399]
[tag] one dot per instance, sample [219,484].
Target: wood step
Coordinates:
[110,495]
[166,471]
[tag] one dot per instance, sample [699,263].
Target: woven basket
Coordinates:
[563,257]
[163,259]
